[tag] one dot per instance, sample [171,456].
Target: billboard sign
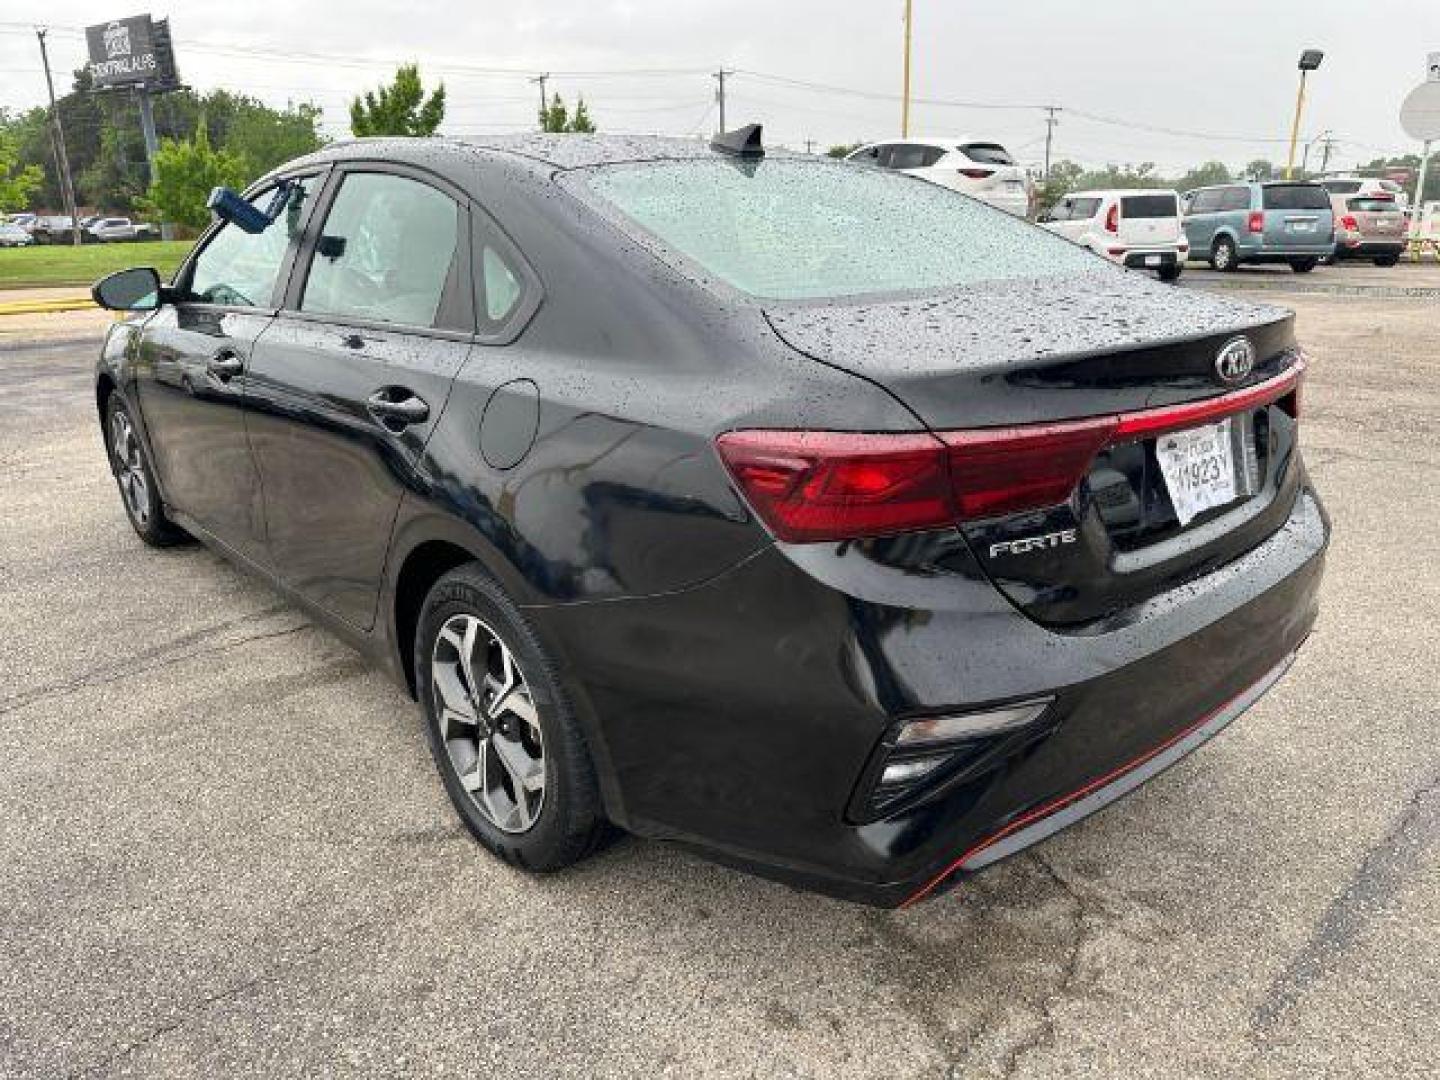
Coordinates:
[131,52]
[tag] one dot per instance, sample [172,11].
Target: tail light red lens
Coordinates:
[977,174]
[827,485]
[1349,223]
[1112,218]
[810,486]
[998,471]
[1257,221]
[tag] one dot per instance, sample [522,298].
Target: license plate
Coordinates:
[1302,226]
[1199,468]
[1153,260]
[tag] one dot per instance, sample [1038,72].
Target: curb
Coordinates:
[42,307]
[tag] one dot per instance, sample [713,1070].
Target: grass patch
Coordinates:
[65,265]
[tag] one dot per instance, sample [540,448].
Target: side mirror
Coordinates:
[136,289]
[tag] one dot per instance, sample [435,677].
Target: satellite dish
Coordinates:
[1420,115]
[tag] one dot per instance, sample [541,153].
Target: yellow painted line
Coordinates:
[41,307]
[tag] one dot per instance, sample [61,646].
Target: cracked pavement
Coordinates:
[223,850]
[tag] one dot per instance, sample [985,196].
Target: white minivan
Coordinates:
[1139,227]
[983,170]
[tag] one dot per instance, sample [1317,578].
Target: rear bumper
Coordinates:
[1369,249]
[1152,258]
[742,716]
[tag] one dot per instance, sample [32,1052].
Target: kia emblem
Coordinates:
[1235,360]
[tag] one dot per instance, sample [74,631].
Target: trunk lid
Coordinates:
[1039,351]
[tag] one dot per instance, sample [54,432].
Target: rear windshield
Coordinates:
[1369,205]
[793,229]
[987,153]
[1148,206]
[1296,197]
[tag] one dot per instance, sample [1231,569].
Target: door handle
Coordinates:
[396,407]
[226,364]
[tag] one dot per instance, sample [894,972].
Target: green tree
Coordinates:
[1260,169]
[265,138]
[185,172]
[1212,172]
[17,181]
[843,150]
[400,108]
[556,119]
[1061,181]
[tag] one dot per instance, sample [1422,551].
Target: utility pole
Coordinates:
[905,90]
[57,138]
[1325,155]
[720,94]
[1050,123]
[809,146]
[544,102]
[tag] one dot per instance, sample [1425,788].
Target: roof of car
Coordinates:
[944,142]
[557,151]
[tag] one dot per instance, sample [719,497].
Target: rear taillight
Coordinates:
[1112,218]
[825,485]
[811,486]
[1349,224]
[977,174]
[1002,470]
[1256,223]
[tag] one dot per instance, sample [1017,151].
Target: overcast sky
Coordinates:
[1224,68]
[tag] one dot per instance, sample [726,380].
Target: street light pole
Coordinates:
[905,93]
[1309,61]
[57,137]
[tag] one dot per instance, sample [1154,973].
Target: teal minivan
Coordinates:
[1287,222]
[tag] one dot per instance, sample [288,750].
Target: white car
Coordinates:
[114,229]
[1366,185]
[1135,227]
[974,167]
[12,235]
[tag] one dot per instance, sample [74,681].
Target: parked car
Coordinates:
[1370,227]
[12,235]
[24,220]
[1233,224]
[1366,185]
[117,229]
[1137,228]
[806,514]
[984,170]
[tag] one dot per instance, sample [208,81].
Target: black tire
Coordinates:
[570,822]
[1303,266]
[1386,260]
[1169,274]
[1223,256]
[135,479]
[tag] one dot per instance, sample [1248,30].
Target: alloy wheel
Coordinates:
[129,468]
[488,723]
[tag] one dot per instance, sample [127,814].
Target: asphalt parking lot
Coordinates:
[223,850]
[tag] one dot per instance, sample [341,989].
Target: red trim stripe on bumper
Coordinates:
[1058,813]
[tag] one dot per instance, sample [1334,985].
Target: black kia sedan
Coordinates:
[823,519]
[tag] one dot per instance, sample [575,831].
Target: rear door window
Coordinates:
[1205,202]
[240,269]
[914,156]
[1295,197]
[987,153]
[1148,206]
[387,251]
[1369,205]
[1235,198]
